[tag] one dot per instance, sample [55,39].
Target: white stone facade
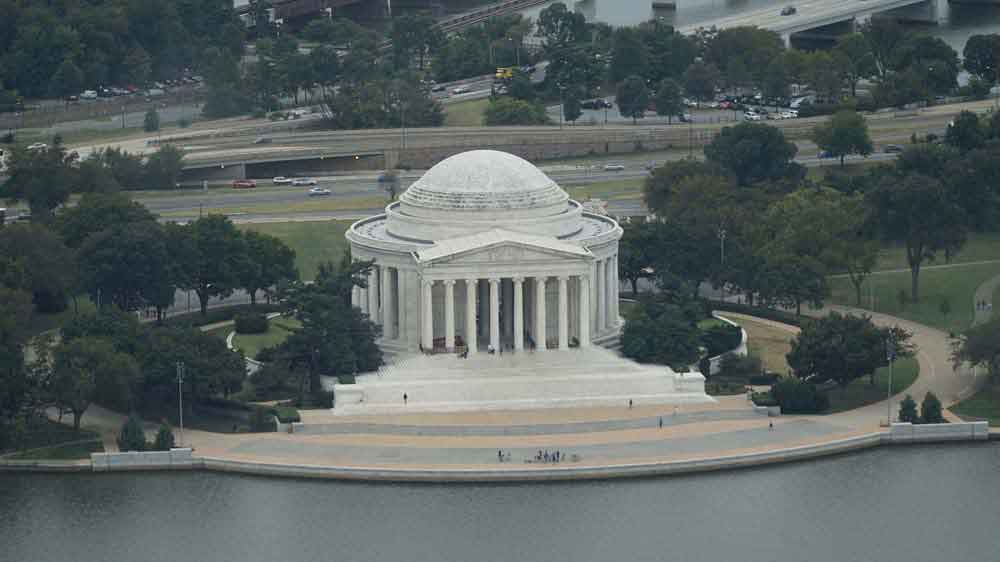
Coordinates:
[487,251]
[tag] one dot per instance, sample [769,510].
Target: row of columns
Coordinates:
[493,313]
[385,302]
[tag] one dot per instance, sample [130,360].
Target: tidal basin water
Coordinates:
[891,504]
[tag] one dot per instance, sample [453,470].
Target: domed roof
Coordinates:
[483,180]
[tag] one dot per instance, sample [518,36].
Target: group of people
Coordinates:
[546,456]
[984,306]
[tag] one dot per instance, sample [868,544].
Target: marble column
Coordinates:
[602,295]
[427,333]
[518,313]
[484,308]
[584,311]
[540,313]
[506,300]
[355,296]
[471,342]
[401,303]
[495,314]
[617,291]
[610,290]
[593,297]
[373,295]
[388,330]
[449,315]
[563,313]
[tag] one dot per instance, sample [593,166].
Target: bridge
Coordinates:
[815,14]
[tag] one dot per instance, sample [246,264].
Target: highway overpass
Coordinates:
[814,15]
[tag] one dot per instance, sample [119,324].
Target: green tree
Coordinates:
[217,256]
[981,57]
[629,56]
[125,265]
[660,187]
[33,259]
[633,98]
[163,167]
[753,47]
[508,111]
[701,80]
[846,132]
[663,333]
[825,75]
[520,87]
[269,263]
[837,348]
[95,212]
[979,346]
[635,249]
[42,177]
[930,409]
[857,59]
[965,132]
[908,410]
[571,105]
[775,80]
[132,437]
[138,66]
[922,213]
[668,99]
[885,37]
[67,80]
[151,123]
[75,371]
[752,152]
[164,438]
[16,385]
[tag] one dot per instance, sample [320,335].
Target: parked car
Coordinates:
[614,168]
[88,95]
[438,88]
[824,154]
[37,146]
[303,181]
[244,184]
[281,180]
[788,11]
[892,148]
[460,90]
[319,192]
[751,116]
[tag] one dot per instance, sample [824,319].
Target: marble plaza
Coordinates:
[487,256]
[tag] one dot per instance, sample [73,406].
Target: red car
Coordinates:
[244,184]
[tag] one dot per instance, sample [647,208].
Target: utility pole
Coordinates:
[180,397]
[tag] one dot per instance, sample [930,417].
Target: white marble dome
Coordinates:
[484,180]
[479,190]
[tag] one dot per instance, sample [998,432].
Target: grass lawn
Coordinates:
[983,405]
[607,190]
[708,323]
[465,113]
[768,343]
[310,205]
[980,247]
[278,330]
[314,242]
[70,451]
[956,285]
[860,393]
[220,332]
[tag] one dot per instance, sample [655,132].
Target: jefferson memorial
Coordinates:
[495,290]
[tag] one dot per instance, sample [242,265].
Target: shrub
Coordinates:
[132,437]
[164,438]
[151,122]
[183,122]
[262,421]
[908,410]
[761,312]
[220,314]
[763,378]
[7,138]
[764,399]
[739,366]
[251,323]
[930,409]
[720,339]
[797,397]
[286,414]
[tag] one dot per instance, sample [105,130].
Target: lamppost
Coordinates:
[721,233]
[562,103]
[890,354]
[180,397]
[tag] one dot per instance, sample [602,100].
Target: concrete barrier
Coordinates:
[938,432]
[174,459]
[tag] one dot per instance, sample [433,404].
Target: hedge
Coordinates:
[761,312]
[220,314]
[721,339]
[251,323]
[798,397]
[286,414]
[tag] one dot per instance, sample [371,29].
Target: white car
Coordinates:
[319,191]
[751,116]
[37,146]
[614,168]
[89,95]
[281,180]
[303,181]
[460,90]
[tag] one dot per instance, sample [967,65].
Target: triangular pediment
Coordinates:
[500,246]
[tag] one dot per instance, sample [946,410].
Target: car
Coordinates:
[751,116]
[788,11]
[439,88]
[892,148]
[244,184]
[303,181]
[281,180]
[37,146]
[460,90]
[824,154]
[614,168]
[319,192]
[88,95]
[262,140]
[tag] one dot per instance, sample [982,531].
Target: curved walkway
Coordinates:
[984,293]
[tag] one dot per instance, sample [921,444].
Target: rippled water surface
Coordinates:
[891,504]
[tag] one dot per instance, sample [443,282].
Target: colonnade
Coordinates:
[495,310]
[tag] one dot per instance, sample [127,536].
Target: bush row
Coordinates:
[251,323]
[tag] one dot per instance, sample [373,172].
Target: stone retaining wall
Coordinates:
[938,432]
[173,459]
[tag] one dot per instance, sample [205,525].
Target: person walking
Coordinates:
[770,426]
[661,422]
[405,398]
[629,403]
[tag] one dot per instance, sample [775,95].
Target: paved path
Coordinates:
[984,293]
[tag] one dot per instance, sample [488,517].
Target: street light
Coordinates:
[890,354]
[180,397]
